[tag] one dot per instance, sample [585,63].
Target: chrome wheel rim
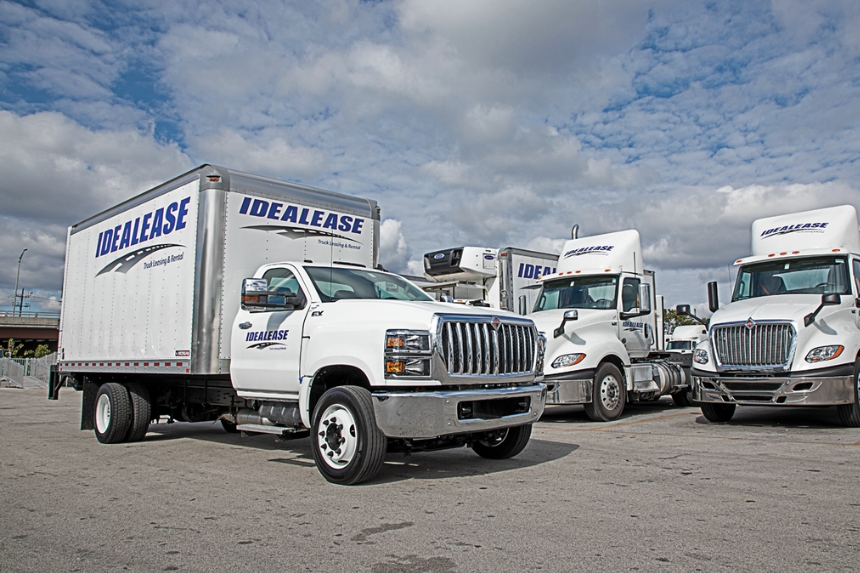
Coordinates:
[103,413]
[337,437]
[610,392]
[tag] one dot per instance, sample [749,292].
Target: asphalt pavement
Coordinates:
[659,490]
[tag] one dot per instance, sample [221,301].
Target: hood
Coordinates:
[401,313]
[548,320]
[779,307]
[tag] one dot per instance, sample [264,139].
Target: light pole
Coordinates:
[16,281]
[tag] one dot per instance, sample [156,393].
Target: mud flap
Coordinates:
[88,404]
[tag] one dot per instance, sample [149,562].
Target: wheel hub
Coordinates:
[103,413]
[336,436]
[610,393]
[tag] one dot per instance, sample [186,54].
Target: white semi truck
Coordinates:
[791,334]
[497,278]
[686,337]
[604,328]
[221,295]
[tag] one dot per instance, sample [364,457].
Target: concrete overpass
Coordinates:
[29,330]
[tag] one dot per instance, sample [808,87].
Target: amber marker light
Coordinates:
[395,367]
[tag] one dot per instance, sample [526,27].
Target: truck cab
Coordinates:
[791,334]
[603,324]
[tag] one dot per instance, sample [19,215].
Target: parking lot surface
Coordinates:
[659,490]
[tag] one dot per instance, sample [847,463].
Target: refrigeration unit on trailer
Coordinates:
[498,278]
[604,329]
[221,295]
[791,334]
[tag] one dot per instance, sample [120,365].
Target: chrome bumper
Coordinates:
[569,391]
[432,414]
[795,391]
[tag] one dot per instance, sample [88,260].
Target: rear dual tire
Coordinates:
[122,413]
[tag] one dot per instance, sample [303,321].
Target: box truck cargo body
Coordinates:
[221,295]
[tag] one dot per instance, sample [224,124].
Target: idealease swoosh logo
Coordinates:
[262,345]
[297,232]
[124,263]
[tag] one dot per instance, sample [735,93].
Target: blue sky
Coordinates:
[484,123]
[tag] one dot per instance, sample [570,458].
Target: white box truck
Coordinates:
[221,295]
[479,276]
[604,329]
[791,334]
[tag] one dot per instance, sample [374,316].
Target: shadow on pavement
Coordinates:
[444,464]
[784,416]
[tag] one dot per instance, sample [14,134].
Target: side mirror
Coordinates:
[568,315]
[523,302]
[684,310]
[257,297]
[713,297]
[830,299]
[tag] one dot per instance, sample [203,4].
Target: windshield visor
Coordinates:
[819,275]
[579,292]
[333,283]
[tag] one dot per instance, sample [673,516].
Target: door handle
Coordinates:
[245,325]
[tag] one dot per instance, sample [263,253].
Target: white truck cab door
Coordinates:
[266,345]
[632,330]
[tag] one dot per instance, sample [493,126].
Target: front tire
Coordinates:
[347,445]
[112,414]
[609,395]
[504,444]
[719,413]
[849,414]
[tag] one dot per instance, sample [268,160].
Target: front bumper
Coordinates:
[829,387]
[570,387]
[441,413]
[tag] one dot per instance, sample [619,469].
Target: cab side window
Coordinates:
[857,277]
[284,281]
[629,295]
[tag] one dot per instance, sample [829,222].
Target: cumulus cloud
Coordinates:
[394,252]
[57,173]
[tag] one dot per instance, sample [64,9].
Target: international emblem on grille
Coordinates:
[750,323]
[496,322]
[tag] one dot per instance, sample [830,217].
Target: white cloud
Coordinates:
[394,253]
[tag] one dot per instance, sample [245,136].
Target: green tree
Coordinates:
[40,351]
[13,349]
[671,319]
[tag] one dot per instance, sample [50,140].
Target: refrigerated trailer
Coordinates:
[221,295]
[498,278]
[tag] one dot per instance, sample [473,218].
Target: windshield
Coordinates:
[819,275]
[333,283]
[680,345]
[578,292]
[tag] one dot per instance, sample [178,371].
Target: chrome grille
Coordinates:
[476,348]
[762,345]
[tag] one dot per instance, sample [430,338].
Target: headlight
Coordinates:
[567,360]
[700,356]
[541,353]
[407,354]
[823,353]
[407,341]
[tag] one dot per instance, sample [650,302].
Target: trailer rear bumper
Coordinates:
[767,391]
[441,413]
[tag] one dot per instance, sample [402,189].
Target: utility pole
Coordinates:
[16,283]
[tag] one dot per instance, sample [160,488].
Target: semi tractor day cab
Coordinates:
[791,334]
[221,296]
[604,328]
[497,278]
